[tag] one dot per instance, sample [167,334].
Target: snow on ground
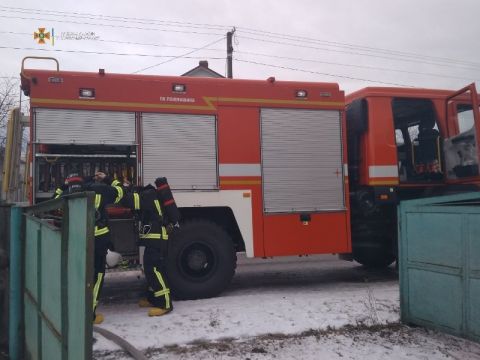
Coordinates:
[287,308]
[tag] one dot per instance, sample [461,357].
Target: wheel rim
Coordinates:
[197,261]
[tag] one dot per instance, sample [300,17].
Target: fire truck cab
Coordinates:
[403,144]
[255,166]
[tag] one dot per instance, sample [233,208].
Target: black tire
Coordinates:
[373,232]
[201,260]
[373,257]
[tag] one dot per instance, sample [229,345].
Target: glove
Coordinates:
[171,227]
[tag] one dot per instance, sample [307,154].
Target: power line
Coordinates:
[354,53]
[353,46]
[114,18]
[243,29]
[108,53]
[239,52]
[322,73]
[111,25]
[173,57]
[122,42]
[353,65]
[179,56]
[155,45]
[473,67]
[267,55]
[300,41]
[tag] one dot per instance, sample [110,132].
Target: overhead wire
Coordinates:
[174,57]
[300,41]
[119,18]
[356,53]
[112,18]
[123,42]
[351,46]
[323,73]
[352,65]
[376,68]
[185,56]
[112,25]
[155,45]
[180,56]
[105,53]
[243,29]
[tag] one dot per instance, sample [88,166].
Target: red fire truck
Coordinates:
[256,166]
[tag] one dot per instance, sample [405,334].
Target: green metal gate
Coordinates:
[439,261]
[57,268]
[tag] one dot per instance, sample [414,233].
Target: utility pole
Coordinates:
[230,53]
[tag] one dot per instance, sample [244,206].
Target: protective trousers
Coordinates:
[101,246]
[154,262]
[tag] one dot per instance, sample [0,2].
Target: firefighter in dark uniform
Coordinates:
[155,227]
[106,192]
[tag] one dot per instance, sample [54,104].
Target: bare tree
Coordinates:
[9,94]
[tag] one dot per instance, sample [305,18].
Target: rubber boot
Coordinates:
[98,319]
[156,311]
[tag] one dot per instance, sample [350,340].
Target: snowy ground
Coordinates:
[287,308]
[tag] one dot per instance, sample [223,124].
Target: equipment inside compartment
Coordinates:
[55,162]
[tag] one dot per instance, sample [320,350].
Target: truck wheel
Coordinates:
[373,257]
[201,260]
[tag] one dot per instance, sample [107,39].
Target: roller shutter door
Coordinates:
[87,127]
[301,160]
[182,148]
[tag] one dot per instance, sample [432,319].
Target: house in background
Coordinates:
[202,70]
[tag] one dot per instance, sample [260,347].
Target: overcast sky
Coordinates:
[356,43]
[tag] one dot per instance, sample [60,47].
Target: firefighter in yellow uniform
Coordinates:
[154,235]
[106,192]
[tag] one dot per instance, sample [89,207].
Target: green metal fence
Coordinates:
[4,293]
[56,268]
[439,262]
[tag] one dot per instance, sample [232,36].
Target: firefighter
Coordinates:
[106,192]
[150,208]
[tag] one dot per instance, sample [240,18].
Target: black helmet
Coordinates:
[160,181]
[74,183]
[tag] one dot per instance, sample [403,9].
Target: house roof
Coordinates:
[202,70]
